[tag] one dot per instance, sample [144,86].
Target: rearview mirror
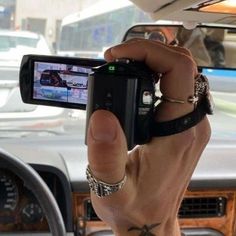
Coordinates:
[211,47]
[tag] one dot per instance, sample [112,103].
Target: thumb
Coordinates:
[107,149]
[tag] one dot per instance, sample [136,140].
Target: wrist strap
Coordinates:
[180,124]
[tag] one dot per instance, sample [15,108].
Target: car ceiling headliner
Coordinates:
[176,10]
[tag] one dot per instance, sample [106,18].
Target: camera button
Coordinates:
[147,98]
[108,103]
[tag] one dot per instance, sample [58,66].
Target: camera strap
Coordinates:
[180,124]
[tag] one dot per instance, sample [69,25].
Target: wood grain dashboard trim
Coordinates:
[225,224]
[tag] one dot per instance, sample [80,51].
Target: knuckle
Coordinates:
[186,63]
[133,40]
[186,51]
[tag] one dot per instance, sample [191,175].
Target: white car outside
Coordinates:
[13,112]
[14,44]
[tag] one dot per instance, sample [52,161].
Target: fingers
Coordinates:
[158,56]
[107,151]
[109,57]
[183,50]
[176,65]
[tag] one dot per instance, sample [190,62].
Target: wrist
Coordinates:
[170,227]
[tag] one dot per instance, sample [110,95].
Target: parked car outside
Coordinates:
[13,112]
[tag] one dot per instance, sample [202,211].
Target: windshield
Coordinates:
[84,28]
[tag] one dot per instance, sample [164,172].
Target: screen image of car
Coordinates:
[60,82]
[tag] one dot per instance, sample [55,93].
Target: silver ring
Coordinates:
[100,188]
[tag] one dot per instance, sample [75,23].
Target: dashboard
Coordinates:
[208,209]
[19,209]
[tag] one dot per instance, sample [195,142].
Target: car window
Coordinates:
[29,42]
[5,43]
[8,42]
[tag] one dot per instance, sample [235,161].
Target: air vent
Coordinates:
[90,214]
[190,208]
[202,207]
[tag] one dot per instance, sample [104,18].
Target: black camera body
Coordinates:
[127,89]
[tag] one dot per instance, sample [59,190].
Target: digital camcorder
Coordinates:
[124,87]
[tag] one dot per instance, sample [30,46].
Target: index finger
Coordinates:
[159,57]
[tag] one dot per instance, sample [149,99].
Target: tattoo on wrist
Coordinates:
[145,230]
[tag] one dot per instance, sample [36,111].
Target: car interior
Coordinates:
[43,156]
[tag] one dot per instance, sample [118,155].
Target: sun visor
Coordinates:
[151,6]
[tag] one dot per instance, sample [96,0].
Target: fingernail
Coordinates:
[103,127]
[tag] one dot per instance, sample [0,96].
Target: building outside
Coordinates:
[43,16]
[7,11]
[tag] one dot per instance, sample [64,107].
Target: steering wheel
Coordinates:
[41,191]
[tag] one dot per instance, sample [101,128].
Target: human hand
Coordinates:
[159,172]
